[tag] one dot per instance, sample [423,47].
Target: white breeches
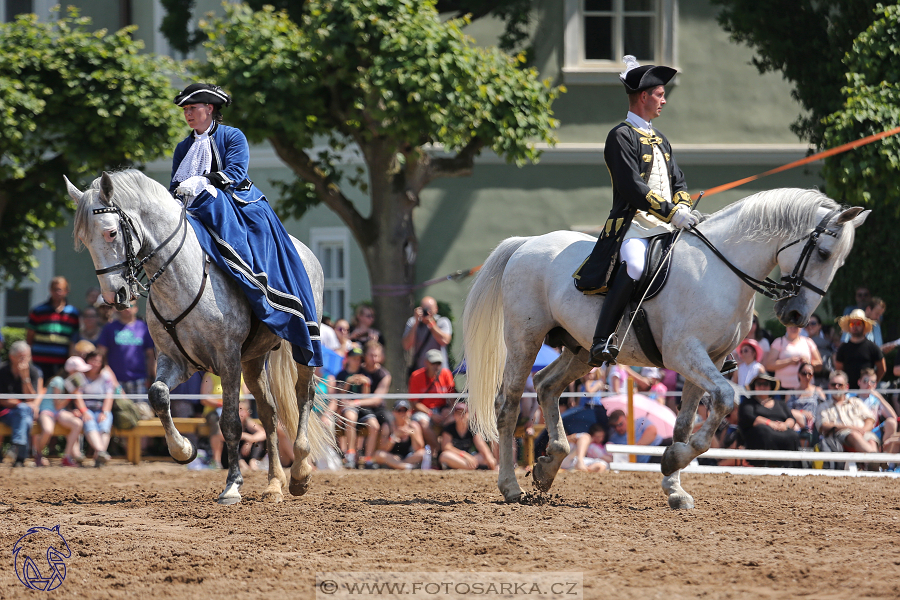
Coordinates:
[633,251]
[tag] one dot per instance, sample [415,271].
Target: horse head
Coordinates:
[109,235]
[810,263]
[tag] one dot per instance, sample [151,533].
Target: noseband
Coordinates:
[131,267]
[792,283]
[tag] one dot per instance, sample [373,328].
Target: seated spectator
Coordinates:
[362,329]
[786,354]
[252,446]
[328,334]
[82,348]
[90,328]
[657,389]
[211,399]
[886,429]
[402,445]
[592,386]
[19,375]
[342,331]
[588,451]
[765,422]
[575,420]
[845,422]
[460,449]
[804,403]
[431,379]
[60,410]
[350,381]
[368,412]
[645,433]
[750,355]
[96,413]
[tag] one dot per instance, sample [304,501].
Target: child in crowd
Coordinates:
[97,412]
[588,451]
[54,411]
[750,355]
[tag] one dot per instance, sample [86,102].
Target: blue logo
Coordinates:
[37,543]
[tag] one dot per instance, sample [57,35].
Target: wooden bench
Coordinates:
[154,428]
[528,442]
[35,430]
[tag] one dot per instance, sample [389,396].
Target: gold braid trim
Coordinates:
[656,203]
[683,197]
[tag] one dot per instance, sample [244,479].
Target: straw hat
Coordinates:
[857,314]
[753,344]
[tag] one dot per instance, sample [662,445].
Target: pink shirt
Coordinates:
[802,347]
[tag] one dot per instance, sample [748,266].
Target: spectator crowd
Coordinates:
[797,392]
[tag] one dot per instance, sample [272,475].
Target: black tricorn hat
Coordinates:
[637,78]
[203,93]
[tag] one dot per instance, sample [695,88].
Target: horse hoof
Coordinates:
[674,457]
[543,479]
[191,459]
[225,501]
[298,488]
[273,497]
[681,502]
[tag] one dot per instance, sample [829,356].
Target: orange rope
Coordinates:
[803,161]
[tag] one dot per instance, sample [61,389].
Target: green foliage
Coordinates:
[72,101]
[10,335]
[805,42]
[376,72]
[867,176]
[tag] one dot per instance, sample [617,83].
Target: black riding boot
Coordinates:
[610,314]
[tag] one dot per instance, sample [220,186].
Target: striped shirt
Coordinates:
[53,331]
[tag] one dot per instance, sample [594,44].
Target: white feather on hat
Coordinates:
[630,64]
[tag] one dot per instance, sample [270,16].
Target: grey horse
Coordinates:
[126,217]
[524,291]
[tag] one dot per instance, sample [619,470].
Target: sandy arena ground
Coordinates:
[155,531]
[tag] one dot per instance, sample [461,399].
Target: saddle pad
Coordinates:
[656,250]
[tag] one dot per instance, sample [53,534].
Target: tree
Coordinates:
[867,176]
[517,14]
[806,43]
[72,101]
[390,78]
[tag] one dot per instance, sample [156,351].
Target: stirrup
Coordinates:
[605,354]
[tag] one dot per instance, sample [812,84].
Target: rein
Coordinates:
[793,282]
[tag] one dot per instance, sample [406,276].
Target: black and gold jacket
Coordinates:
[629,158]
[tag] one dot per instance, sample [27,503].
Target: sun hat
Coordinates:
[764,377]
[753,344]
[76,363]
[434,356]
[857,314]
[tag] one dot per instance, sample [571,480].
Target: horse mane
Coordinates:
[130,188]
[786,212]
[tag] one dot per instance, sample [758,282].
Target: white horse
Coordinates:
[525,290]
[126,218]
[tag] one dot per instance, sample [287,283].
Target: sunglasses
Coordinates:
[867,381]
[813,324]
[806,373]
[837,386]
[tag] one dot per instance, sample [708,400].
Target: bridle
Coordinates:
[791,284]
[132,273]
[131,267]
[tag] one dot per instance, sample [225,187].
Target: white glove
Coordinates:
[192,186]
[683,217]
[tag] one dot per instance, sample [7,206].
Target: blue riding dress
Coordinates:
[243,236]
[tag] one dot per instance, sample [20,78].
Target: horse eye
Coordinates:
[112,234]
[824,254]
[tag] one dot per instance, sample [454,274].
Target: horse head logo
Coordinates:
[38,542]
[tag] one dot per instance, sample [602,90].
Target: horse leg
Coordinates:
[684,425]
[506,406]
[677,456]
[549,383]
[230,425]
[258,383]
[301,470]
[169,375]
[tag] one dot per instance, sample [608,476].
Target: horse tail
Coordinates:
[283,376]
[483,346]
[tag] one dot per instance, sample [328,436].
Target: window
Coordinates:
[9,9]
[330,245]
[600,32]
[15,304]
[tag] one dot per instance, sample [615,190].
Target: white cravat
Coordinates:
[198,160]
[639,122]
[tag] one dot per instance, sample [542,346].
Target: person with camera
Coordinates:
[426,330]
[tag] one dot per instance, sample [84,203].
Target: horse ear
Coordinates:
[850,214]
[106,188]
[861,218]
[74,193]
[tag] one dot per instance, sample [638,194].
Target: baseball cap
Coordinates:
[355,351]
[76,363]
[434,356]
[401,404]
